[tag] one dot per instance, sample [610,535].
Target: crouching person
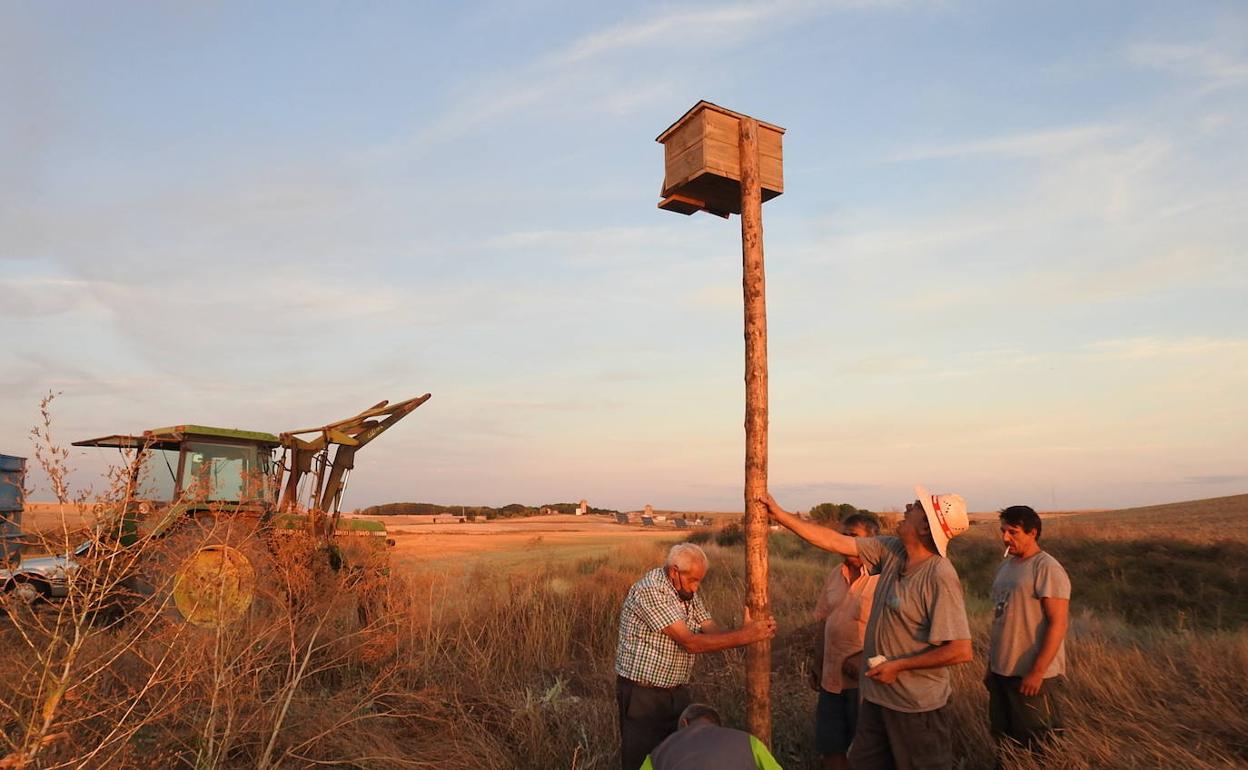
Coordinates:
[703,742]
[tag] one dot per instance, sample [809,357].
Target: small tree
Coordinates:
[828,513]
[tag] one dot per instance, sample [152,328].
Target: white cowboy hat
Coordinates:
[946,516]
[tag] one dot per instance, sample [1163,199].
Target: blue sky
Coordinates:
[1009,260]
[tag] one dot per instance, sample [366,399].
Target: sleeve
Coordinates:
[656,609]
[1052,582]
[875,552]
[948,618]
[762,757]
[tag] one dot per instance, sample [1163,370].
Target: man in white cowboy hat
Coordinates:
[917,629]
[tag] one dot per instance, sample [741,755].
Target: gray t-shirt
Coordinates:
[1018,621]
[910,613]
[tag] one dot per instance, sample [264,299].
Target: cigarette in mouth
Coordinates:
[1007,552]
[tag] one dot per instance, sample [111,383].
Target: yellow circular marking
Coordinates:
[215,586]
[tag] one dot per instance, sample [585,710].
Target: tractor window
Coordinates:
[224,472]
[158,469]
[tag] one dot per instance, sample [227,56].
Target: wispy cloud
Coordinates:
[1144,348]
[583,66]
[1217,68]
[1031,144]
[41,296]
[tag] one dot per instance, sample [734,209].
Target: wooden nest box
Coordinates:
[702,161]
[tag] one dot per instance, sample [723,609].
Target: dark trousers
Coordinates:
[836,721]
[897,740]
[647,716]
[1027,719]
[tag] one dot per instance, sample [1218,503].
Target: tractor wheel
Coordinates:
[209,572]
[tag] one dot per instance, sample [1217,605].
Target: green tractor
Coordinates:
[218,509]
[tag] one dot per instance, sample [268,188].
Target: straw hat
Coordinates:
[946,516]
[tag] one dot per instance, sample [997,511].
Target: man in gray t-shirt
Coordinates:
[1027,650]
[916,630]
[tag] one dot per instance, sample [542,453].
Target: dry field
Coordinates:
[53,517]
[422,543]
[473,667]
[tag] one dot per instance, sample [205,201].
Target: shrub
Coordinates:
[833,512]
[730,536]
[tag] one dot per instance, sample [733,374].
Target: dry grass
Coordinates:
[485,668]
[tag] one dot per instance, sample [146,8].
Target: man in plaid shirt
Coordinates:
[663,625]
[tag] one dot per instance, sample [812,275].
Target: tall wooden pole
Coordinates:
[757,655]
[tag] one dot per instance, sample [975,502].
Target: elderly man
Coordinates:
[844,607]
[917,629]
[703,742]
[1027,649]
[663,625]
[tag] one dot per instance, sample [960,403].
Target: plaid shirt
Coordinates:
[645,654]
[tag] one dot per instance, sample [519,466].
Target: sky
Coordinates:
[1009,260]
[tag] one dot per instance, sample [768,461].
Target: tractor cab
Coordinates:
[196,471]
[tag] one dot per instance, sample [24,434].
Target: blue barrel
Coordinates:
[12,476]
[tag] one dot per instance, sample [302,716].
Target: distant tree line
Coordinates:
[512,510]
[828,513]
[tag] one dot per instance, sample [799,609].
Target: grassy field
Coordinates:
[506,661]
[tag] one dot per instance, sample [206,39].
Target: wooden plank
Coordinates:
[771,174]
[686,135]
[705,106]
[721,157]
[681,204]
[723,128]
[770,144]
[686,165]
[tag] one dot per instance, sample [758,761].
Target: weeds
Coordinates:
[480,669]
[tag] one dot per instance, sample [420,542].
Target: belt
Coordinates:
[635,683]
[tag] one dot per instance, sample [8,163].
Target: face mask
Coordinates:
[685,594]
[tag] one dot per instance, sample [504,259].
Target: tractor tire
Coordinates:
[208,571]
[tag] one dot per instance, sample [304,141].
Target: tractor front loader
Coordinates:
[216,540]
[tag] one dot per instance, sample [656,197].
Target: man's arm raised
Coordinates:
[826,538]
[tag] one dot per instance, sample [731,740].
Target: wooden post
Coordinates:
[703,172]
[757,655]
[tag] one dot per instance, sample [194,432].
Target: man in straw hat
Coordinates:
[917,629]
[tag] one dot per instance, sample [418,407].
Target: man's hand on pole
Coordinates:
[758,630]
